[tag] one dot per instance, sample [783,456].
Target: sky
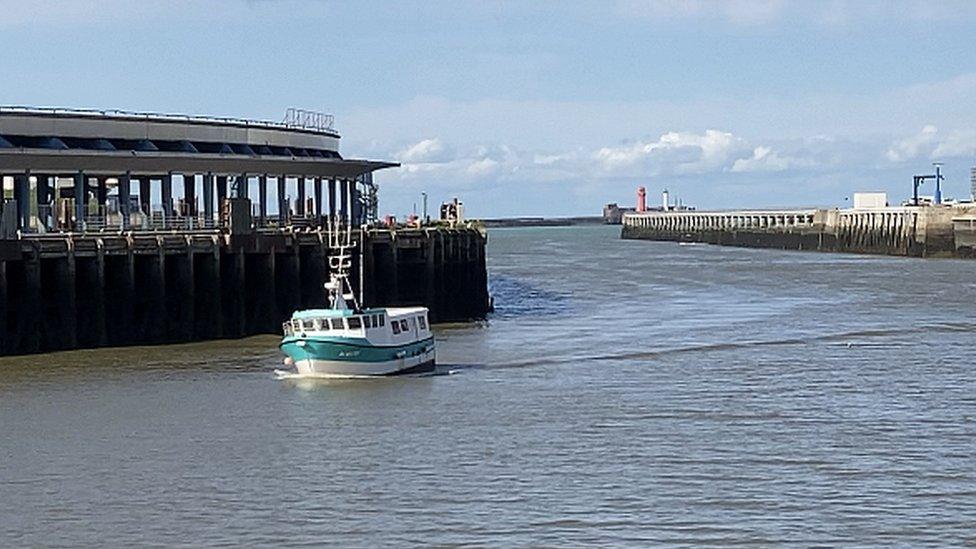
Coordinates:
[541,108]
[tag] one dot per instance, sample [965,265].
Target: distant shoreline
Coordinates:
[542,221]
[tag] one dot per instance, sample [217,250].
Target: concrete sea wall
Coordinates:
[64,292]
[930,231]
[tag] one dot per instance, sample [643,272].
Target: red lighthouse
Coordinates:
[641,199]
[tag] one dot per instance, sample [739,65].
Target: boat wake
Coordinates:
[861,339]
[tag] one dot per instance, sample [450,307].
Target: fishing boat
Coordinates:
[348,340]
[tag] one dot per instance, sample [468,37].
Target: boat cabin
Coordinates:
[393,326]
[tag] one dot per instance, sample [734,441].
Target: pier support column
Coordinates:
[22,196]
[149,301]
[119,297]
[387,265]
[300,201]
[125,188]
[287,283]
[207,314]
[369,269]
[208,207]
[101,198]
[263,200]
[43,196]
[91,296]
[166,194]
[81,200]
[4,331]
[190,194]
[332,200]
[317,182]
[221,192]
[243,189]
[233,294]
[145,192]
[430,273]
[31,326]
[180,296]
[260,292]
[344,200]
[313,271]
[68,302]
[282,202]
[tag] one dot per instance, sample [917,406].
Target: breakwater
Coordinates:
[83,290]
[946,231]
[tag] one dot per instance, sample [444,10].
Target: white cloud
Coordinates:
[832,13]
[482,167]
[912,147]
[734,11]
[932,144]
[673,152]
[765,159]
[425,151]
[432,161]
[956,143]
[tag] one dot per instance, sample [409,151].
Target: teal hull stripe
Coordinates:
[325,349]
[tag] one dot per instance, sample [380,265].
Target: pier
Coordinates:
[131,228]
[920,231]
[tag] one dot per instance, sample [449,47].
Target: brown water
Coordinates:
[624,393]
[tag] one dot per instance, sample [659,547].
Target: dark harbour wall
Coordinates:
[73,292]
[915,232]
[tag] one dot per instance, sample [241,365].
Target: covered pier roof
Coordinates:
[112,142]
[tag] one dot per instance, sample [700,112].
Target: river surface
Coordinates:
[624,393]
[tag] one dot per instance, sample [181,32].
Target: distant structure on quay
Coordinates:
[921,226]
[121,228]
[613,214]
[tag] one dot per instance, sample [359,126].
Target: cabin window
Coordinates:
[382,320]
[301,326]
[403,325]
[423,322]
[336,323]
[355,323]
[396,327]
[317,324]
[371,321]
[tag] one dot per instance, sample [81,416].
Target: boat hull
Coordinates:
[342,359]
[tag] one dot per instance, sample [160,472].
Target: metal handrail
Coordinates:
[308,117]
[301,118]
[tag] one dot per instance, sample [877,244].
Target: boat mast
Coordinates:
[341,246]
